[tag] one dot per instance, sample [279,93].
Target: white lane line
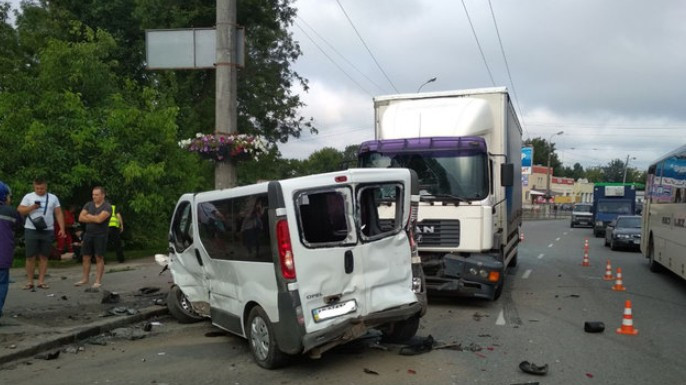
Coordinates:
[557,239]
[540,256]
[550,245]
[527,274]
[565,233]
[501,319]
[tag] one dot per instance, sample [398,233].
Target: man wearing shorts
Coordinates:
[40,208]
[96,215]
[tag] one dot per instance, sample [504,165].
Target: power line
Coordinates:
[339,54]
[502,50]
[477,43]
[332,61]
[365,46]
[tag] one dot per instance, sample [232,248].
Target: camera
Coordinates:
[37,202]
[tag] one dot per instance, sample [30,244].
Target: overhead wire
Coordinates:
[367,47]
[477,43]
[340,54]
[507,66]
[332,61]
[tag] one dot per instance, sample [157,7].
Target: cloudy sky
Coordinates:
[611,74]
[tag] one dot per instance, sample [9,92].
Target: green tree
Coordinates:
[541,150]
[614,171]
[325,160]
[595,174]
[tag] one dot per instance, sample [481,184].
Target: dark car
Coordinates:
[624,232]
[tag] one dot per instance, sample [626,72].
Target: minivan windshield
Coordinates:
[441,173]
[582,208]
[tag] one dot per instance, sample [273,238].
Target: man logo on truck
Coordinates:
[426,229]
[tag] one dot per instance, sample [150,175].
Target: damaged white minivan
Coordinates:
[300,265]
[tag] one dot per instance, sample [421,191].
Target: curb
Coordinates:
[80,333]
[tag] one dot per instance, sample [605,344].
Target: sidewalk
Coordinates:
[44,319]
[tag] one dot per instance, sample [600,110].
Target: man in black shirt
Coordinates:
[95,215]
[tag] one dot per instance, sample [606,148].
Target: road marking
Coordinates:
[557,239]
[565,233]
[550,245]
[527,274]
[501,318]
[540,256]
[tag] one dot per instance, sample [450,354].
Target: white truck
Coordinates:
[465,147]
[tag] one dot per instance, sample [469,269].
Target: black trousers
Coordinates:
[114,240]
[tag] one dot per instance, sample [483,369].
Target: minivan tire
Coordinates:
[400,331]
[180,308]
[262,340]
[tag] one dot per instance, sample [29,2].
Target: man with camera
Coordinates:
[41,209]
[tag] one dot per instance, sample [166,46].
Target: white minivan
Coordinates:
[300,265]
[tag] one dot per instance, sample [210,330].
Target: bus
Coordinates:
[663,236]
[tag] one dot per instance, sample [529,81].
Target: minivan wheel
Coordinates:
[401,331]
[180,308]
[262,340]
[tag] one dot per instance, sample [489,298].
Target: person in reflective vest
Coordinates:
[114,233]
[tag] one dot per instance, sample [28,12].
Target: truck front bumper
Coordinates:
[457,275]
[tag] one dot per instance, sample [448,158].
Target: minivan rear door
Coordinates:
[383,201]
[330,278]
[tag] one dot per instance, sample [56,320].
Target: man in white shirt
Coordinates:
[41,209]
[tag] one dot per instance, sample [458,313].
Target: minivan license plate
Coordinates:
[331,311]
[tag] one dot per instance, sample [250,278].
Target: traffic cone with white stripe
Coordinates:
[586,245]
[521,236]
[608,272]
[619,286]
[585,262]
[627,321]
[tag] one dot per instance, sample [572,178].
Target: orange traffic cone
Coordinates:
[618,286]
[586,245]
[627,321]
[608,272]
[521,237]
[585,262]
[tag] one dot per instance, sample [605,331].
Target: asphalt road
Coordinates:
[539,318]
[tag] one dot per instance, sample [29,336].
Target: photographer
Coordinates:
[40,208]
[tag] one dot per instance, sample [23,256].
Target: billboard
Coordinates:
[527,159]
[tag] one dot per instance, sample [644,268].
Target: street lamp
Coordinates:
[433,79]
[550,150]
[626,166]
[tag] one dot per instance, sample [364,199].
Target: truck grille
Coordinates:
[443,233]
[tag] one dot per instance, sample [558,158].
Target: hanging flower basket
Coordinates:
[226,147]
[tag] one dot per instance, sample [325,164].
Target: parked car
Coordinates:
[300,265]
[624,232]
[582,215]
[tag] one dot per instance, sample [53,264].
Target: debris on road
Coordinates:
[594,327]
[369,371]
[478,316]
[48,355]
[423,345]
[531,368]
[110,297]
[148,290]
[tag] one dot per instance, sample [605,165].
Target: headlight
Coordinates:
[623,236]
[599,223]
[416,285]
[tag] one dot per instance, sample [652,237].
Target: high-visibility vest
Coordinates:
[114,220]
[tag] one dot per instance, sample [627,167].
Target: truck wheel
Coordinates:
[401,331]
[571,224]
[180,308]
[653,265]
[513,261]
[262,340]
[499,289]
[606,242]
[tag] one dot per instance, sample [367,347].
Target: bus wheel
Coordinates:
[653,265]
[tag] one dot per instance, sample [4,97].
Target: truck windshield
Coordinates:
[615,207]
[441,173]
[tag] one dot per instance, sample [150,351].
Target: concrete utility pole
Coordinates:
[549,171]
[626,166]
[225,107]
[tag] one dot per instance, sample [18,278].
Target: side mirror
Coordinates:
[507,174]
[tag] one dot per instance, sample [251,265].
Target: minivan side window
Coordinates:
[323,218]
[380,210]
[236,229]
[182,230]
